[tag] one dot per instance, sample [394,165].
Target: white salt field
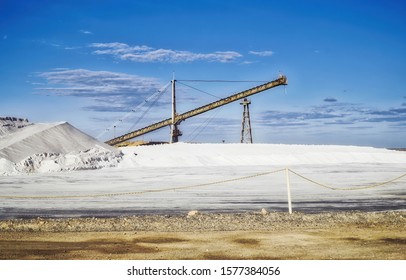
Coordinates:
[75,175]
[141,188]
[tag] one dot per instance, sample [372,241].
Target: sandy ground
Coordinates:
[343,235]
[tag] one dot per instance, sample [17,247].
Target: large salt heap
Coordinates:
[43,147]
[201,155]
[11,124]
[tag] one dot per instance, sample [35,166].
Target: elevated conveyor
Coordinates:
[282,80]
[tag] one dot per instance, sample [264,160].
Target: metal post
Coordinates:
[174,137]
[288,188]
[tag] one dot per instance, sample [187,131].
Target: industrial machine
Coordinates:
[176,119]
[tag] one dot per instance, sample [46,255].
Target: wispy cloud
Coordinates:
[392,115]
[262,53]
[389,112]
[56,44]
[330,99]
[334,113]
[86,32]
[283,118]
[248,62]
[110,91]
[142,53]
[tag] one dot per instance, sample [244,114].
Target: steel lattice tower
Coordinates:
[246,135]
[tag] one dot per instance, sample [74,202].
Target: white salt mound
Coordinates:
[200,155]
[94,158]
[27,147]
[50,147]
[11,124]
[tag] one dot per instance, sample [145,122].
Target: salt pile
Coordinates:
[44,147]
[26,147]
[11,124]
[200,155]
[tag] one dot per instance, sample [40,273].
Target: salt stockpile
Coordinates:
[44,147]
[26,147]
[12,124]
[184,155]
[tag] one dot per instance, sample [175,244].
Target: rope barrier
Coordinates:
[206,184]
[146,191]
[350,188]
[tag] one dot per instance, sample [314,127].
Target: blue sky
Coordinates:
[92,63]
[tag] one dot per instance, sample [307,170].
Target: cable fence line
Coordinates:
[143,192]
[285,170]
[349,188]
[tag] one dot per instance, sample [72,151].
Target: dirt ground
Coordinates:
[209,236]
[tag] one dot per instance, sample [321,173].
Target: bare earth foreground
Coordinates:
[339,235]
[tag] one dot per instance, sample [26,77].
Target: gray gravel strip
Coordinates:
[197,221]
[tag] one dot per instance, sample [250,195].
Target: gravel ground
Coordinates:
[196,221]
[203,236]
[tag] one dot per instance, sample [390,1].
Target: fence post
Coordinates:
[288,188]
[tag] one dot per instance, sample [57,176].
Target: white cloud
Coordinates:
[247,62]
[87,32]
[334,113]
[262,53]
[71,48]
[142,53]
[110,91]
